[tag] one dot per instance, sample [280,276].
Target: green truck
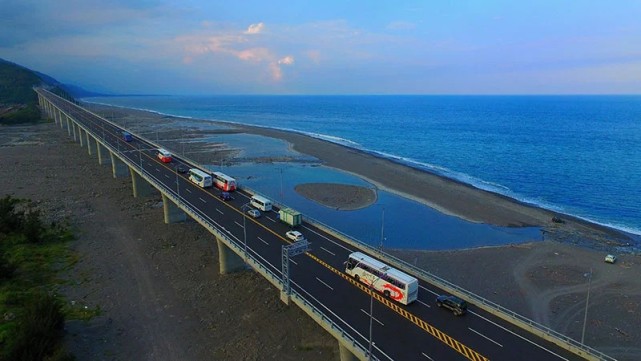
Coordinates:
[290,216]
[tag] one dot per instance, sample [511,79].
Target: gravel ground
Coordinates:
[157,286]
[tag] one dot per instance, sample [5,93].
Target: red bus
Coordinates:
[164,155]
[224,182]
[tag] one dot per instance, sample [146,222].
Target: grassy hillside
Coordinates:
[16,84]
[18,101]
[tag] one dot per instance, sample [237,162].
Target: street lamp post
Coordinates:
[242,208]
[382,227]
[587,301]
[371,313]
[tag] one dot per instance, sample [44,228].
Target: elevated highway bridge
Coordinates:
[366,324]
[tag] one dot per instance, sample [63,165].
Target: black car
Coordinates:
[181,168]
[453,303]
[225,196]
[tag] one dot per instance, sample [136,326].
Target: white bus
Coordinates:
[261,203]
[389,281]
[224,182]
[199,177]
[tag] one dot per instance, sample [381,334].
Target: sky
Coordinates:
[201,47]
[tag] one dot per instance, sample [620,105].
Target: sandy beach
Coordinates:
[544,281]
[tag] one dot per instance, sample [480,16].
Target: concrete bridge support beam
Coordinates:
[91,144]
[118,167]
[60,120]
[69,122]
[228,260]
[141,187]
[345,353]
[173,214]
[103,154]
[73,130]
[81,136]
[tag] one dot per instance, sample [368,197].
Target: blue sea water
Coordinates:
[579,155]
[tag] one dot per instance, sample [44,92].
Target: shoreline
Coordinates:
[446,195]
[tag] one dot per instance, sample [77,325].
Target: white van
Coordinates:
[261,203]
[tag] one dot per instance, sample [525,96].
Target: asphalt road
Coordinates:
[419,331]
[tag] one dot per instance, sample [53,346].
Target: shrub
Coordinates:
[7,268]
[10,219]
[39,330]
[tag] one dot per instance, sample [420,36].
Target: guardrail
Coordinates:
[306,305]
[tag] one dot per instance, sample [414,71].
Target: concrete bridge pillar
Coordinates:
[73,129]
[173,214]
[345,353]
[91,144]
[69,122]
[118,167]
[60,121]
[55,115]
[81,136]
[228,261]
[141,187]
[103,154]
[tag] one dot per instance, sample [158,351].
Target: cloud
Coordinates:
[237,45]
[255,28]
[288,60]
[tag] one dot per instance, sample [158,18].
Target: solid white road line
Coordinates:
[429,358]
[373,318]
[519,336]
[328,251]
[485,337]
[326,285]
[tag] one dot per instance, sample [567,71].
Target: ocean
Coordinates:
[579,155]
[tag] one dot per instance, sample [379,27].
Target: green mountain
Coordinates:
[18,101]
[16,84]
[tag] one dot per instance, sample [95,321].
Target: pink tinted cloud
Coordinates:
[231,44]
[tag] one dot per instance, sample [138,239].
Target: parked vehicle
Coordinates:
[254,213]
[452,303]
[385,279]
[290,216]
[295,236]
[261,203]
[610,258]
[226,196]
[199,177]
[181,168]
[224,182]
[164,155]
